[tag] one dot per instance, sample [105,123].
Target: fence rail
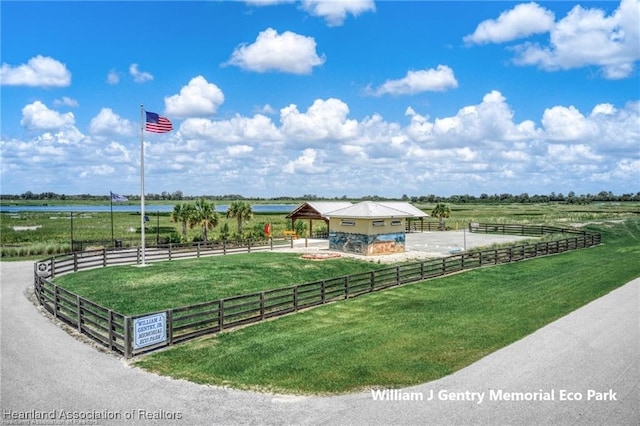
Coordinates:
[115,331]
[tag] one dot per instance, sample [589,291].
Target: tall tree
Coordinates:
[181,214]
[204,215]
[241,210]
[441,211]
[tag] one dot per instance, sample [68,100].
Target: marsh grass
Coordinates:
[54,234]
[407,335]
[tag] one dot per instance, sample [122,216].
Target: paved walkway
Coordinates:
[590,354]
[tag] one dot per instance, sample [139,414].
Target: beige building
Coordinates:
[369,228]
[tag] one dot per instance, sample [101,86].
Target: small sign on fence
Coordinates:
[149,330]
[42,269]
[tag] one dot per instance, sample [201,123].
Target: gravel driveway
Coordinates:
[591,353]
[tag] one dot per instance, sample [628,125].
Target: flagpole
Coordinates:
[142,236]
[112,239]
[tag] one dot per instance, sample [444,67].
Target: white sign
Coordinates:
[149,330]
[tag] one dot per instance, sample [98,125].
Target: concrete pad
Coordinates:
[418,245]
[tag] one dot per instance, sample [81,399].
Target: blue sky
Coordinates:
[274,98]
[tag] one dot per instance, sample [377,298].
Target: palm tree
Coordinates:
[204,215]
[241,210]
[441,211]
[181,213]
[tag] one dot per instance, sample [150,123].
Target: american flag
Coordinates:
[157,124]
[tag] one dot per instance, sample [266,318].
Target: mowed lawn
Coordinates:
[132,290]
[407,335]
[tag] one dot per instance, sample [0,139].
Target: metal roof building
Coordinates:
[367,227]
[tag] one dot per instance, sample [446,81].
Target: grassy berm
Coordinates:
[407,335]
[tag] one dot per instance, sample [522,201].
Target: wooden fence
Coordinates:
[421,226]
[115,330]
[518,229]
[103,257]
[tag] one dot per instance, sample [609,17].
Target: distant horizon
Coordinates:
[554,196]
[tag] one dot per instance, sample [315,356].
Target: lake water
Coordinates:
[149,209]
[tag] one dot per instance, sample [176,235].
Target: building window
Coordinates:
[379,222]
[348,222]
[396,222]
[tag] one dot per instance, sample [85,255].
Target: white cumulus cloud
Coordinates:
[335,12]
[588,37]
[197,98]
[521,21]
[436,79]
[492,119]
[109,123]
[39,71]
[325,119]
[306,163]
[287,52]
[235,129]
[238,150]
[37,116]
[567,124]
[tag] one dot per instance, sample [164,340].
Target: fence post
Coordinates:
[397,275]
[127,337]
[138,255]
[249,245]
[323,292]
[262,305]
[110,325]
[295,298]
[53,267]
[444,265]
[346,287]
[55,301]
[221,314]
[79,313]
[169,327]
[104,257]
[75,261]
[198,250]
[170,252]
[224,246]
[372,280]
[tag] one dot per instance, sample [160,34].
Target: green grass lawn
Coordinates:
[131,290]
[407,335]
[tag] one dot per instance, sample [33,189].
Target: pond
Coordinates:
[134,208]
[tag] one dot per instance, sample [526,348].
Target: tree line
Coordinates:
[569,198]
